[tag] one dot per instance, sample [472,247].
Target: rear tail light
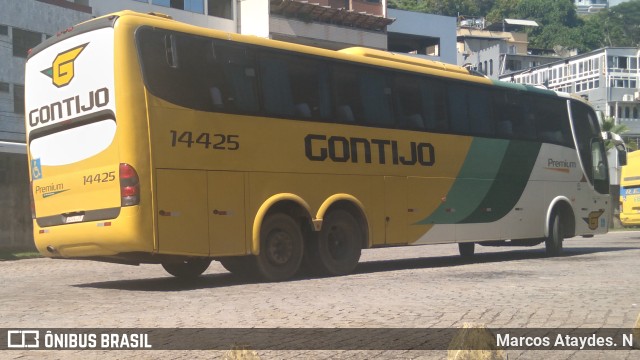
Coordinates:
[33,203]
[129,185]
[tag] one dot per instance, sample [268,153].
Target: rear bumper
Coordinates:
[127,233]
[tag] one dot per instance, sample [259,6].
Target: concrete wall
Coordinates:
[427,25]
[16,229]
[324,35]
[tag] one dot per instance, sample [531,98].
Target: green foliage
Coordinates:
[609,124]
[558,20]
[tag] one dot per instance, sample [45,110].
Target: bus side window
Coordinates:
[276,85]
[346,94]
[480,117]
[239,87]
[552,121]
[459,108]
[507,114]
[407,98]
[309,80]
[375,98]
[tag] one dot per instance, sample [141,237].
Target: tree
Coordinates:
[609,124]
[559,23]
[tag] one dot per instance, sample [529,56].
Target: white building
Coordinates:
[608,78]
[24,24]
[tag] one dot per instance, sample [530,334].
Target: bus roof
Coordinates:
[355,54]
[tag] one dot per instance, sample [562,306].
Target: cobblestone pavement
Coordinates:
[596,284]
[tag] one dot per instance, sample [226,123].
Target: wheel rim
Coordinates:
[339,242]
[279,247]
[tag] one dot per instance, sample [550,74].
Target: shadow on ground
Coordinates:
[225,279]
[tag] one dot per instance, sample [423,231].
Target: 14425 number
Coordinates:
[213,141]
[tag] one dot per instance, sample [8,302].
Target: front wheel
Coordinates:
[467,249]
[188,268]
[281,248]
[553,242]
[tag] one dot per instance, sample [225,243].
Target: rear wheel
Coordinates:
[281,248]
[337,248]
[467,249]
[553,242]
[188,268]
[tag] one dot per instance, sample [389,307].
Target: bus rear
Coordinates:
[85,181]
[630,191]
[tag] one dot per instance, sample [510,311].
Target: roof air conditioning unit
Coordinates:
[627,97]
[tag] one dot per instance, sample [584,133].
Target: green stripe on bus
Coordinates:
[509,184]
[473,182]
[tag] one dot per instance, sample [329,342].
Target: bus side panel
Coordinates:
[182,212]
[226,213]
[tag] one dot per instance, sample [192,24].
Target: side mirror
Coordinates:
[622,155]
[618,143]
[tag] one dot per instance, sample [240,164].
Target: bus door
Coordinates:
[593,209]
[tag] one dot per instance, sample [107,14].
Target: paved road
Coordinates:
[596,284]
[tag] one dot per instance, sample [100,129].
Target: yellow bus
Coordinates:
[630,191]
[154,141]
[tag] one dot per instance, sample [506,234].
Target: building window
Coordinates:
[4,87]
[18,99]
[4,30]
[23,41]
[491,67]
[196,6]
[220,8]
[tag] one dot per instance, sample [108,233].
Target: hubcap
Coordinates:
[279,247]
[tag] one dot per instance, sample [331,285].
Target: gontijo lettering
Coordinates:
[343,149]
[73,106]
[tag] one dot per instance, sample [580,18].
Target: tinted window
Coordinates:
[294,87]
[587,130]
[197,72]
[419,104]
[552,120]
[361,95]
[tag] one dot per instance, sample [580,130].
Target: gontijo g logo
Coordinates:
[61,71]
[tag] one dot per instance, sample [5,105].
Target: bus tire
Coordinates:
[467,249]
[188,268]
[337,247]
[281,248]
[238,265]
[553,242]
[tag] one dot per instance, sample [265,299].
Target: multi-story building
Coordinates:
[590,6]
[608,78]
[24,24]
[496,49]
